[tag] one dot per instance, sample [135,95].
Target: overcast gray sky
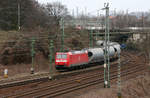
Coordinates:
[93,5]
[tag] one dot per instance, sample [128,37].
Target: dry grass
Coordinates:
[15,49]
[40,65]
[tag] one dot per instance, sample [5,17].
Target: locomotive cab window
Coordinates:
[64,56]
[61,56]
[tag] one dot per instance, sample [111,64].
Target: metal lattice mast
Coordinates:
[62,35]
[149,47]
[119,77]
[107,44]
[106,52]
[50,58]
[19,16]
[105,60]
[32,54]
[91,38]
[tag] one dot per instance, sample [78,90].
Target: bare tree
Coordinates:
[57,10]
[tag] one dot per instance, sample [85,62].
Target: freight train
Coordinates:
[66,60]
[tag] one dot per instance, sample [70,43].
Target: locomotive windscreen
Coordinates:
[61,56]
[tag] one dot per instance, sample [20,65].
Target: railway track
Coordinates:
[5,83]
[131,67]
[23,80]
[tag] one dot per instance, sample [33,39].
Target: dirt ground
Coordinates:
[134,88]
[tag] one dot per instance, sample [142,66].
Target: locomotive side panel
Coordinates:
[78,59]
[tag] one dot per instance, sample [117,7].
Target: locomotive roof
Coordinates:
[73,52]
[77,52]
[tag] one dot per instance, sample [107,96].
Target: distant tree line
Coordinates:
[32,14]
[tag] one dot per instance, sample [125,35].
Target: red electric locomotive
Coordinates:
[70,59]
[85,56]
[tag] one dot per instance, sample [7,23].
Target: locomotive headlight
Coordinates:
[61,60]
[64,61]
[57,60]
